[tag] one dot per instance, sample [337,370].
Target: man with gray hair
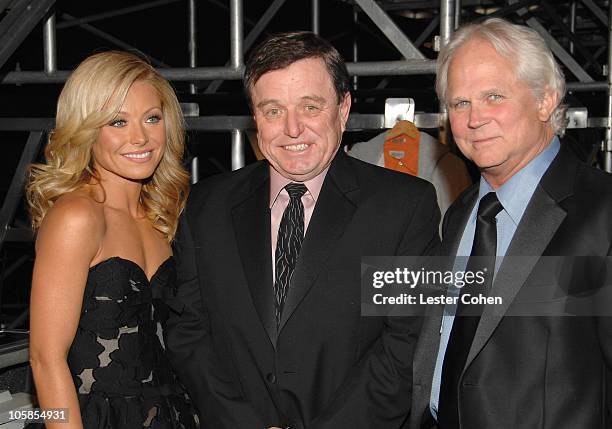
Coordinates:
[476,367]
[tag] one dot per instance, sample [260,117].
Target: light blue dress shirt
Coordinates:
[514,195]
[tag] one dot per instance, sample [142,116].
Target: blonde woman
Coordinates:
[105,206]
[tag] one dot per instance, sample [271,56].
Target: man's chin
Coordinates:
[295,174]
[488,165]
[300,177]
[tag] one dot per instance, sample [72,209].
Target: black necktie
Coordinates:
[289,243]
[482,258]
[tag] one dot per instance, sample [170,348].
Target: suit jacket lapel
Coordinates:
[427,347]
[251,219]
[538,226]
[455,222]
[333,211]
[429,339]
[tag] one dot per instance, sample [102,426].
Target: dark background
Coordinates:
[161,32]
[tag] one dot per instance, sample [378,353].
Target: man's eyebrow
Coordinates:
[315,98]
[488,91]
[266,103]
[481,94]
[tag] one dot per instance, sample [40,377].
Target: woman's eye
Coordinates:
[154,119]
[118,123]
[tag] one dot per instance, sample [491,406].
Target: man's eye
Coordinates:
[272,113]
[154,119]
[118,123]
[460,104]
[495,97]
[311,108]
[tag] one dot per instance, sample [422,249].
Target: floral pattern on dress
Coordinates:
[117,358]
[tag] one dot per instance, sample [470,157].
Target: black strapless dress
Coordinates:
[117,358]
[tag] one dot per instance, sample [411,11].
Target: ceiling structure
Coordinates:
[200,45]
[397,34]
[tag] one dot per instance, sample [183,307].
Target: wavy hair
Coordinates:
[534,62]
[91,98]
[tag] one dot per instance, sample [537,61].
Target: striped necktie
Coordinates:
[288,245]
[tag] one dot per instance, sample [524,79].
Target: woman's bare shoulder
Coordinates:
[75,214]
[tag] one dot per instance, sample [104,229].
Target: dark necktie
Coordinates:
[288,245]
[482,258]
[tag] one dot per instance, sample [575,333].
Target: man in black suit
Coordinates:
[521,363]
[270,332]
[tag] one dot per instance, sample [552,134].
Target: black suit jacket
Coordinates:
[326,367]
[532,372]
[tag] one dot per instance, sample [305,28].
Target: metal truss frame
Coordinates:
[19,17]
[379,12]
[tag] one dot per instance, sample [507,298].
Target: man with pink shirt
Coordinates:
[268,330]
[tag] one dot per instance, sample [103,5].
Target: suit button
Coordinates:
[271,377]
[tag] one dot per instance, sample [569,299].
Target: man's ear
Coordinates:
[254,136]
[345,108]
[254,142]
[547,104]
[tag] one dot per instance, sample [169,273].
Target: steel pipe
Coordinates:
[447,26]
[15,191]
[202,73]
[390,29]
[608,142]
[370,68]
[316,14]
[457,20]
[193,46]
[251,37]
[195,170]
[237,62]
[223,123]
[392,68]
[572,25]
[355,46]
[447,13]
[586,86]
[49,45]
[237,149]
[116,41]
[236,34]
[116,12]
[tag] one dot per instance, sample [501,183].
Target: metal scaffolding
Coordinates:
[573,50]
[582,34]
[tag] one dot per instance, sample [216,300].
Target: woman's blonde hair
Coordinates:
[91,99]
